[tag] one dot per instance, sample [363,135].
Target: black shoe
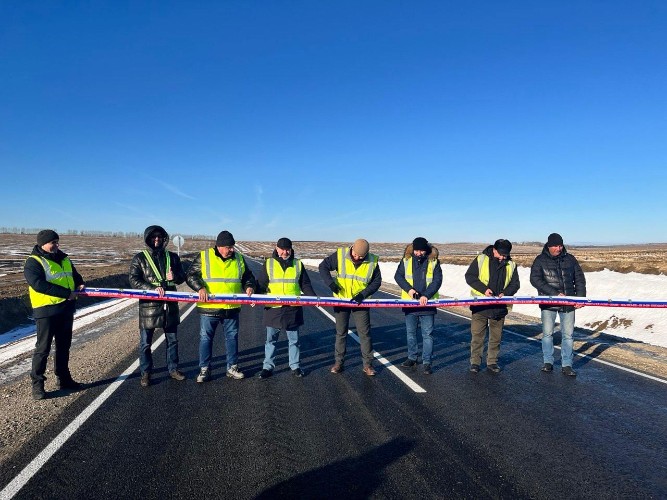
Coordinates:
[38,391]
[409,363]
[548,368]
[298,372]
[567,370]
[474,368]
[68,383]
[493,368]
[427,369]
[265,373]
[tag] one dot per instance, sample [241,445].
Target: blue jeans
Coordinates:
[426,323]
[566,330]
[207,326]
[145,354]
[270,348]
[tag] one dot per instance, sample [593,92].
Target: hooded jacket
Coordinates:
[156,313]
[419,268]
[285,317]
[553,275]
[35,275]
[497,278]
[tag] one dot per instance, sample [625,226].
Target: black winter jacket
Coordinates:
[497,275]
[156,313]
[36,277]
[196,282]
[554,275]
[419,268]
[285,317]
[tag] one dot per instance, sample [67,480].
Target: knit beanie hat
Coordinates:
[420,244]
[503,247]
[284,243]
[360,247]
[554,240]
[225,239]
[46,236]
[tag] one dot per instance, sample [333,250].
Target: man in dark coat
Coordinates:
[155,268]
[420,276]
[283,275]
[52,281]
[555,272]
[491,274]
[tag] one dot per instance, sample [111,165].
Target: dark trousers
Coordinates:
[362,320]
[58,327]
[478,327]
[145,354]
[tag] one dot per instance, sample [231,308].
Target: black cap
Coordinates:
[554,240]
[284,243]
[46,236]
[420,244]
[225,239]
[503,247]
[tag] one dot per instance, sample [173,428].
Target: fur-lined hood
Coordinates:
[432,255]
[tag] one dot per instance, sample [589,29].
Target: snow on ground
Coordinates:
[643,324]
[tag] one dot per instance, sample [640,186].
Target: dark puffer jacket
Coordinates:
[554,275]
[156,313]
[285,317]
[419,268]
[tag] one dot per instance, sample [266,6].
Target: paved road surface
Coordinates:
[519,434]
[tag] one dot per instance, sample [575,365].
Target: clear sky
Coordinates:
[456,121]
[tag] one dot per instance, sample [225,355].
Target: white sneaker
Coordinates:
[234,372]
[204,375]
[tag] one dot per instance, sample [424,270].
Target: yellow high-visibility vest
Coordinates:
[483,264]
[221,277]
[156,271]
[353,280]
[283,282]
[407,266]
[58,274]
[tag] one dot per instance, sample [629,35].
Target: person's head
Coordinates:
[284,248]
[156,237]
[502,249]
[48,240]
[225,244]
[420,247]
[555,244]
[359,250]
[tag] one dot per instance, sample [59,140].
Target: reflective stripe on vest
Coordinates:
[221,277]
[58,274]
[353,280]
[483,265]
[407,267]
[156,271]
[283,282]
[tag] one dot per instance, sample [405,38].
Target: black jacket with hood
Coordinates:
[285,317]
[156,313]
[419,268]
[497,275]
[553,275]
[36,277]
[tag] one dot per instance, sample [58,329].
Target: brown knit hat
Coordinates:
[360,247]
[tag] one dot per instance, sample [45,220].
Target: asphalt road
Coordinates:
[518,434]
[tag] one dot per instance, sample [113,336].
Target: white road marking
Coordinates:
[401,376]
[33,467]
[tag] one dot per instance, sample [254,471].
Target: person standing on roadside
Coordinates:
[357,277]
[155,268]
[555,272]
[219,270]
[420,276]
[283,275]
[52,281]
[491,274]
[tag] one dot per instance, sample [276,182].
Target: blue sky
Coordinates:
[456,121]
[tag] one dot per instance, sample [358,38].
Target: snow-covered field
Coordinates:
[645,325]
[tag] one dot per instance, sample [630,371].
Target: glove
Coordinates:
[335,287]
[358,298]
